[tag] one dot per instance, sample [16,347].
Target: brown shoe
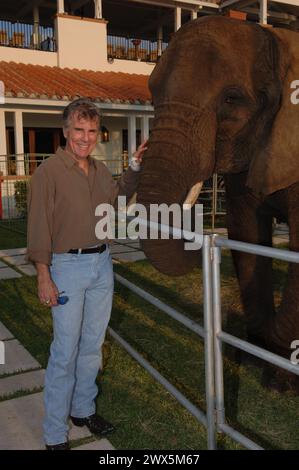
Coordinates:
[95,423]
[62,446]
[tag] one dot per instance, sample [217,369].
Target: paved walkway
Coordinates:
[13,263]
[21,417]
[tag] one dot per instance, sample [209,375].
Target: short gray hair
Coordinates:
[84,108]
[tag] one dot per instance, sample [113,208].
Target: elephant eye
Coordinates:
[234,97]
[229,99]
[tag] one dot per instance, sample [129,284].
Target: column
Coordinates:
[60,7]
[144,128]
[177,18]
[193,15]
[19,142]
[98,9]
[131,136]
[160,40]
[3,146]
[263,12]
[32,151]
[35,27]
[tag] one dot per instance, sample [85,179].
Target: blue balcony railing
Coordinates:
[119,47]
[23,35]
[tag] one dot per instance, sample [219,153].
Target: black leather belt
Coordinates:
[83,251]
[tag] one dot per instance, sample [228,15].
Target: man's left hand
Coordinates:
[137,156]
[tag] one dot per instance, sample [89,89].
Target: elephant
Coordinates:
[222,98]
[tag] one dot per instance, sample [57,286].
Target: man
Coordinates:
[64,192]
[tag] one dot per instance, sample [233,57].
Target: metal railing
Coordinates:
[27,36]
[119,47]
[205,332]
[17,169]
[214,337]
[212,196]
[15,173]
[214,244]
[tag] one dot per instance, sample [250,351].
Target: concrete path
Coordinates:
[21,417]
[127,250]
[13,263]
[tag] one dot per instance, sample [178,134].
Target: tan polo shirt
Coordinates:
[61,204]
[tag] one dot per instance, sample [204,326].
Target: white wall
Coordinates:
[28,56]
[81,42]
[127,66]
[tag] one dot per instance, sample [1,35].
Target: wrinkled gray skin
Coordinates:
[221,94]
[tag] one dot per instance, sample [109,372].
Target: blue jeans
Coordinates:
[79,330]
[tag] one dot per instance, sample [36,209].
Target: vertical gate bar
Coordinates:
[214,200]
[209,354]
[216,289]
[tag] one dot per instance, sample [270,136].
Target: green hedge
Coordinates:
[21,197]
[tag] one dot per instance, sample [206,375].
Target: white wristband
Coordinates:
[135,165]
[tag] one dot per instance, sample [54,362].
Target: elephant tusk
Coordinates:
[192,196]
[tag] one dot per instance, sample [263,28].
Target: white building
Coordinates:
[54,50]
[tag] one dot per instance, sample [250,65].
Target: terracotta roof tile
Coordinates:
[57,83]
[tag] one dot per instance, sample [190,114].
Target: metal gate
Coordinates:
[214,337]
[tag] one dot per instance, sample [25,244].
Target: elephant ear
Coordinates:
[277,166]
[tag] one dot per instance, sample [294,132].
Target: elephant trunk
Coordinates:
[169,171]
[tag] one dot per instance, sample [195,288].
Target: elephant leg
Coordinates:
[286,326]
[247,222]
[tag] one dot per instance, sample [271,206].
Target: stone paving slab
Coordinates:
[279,240]
[127,241]
[102,444]
[17,358]
[121,249]
[21,424]
[9,273]
[27,269]
[15,260]
[12,252]
[5,333]
[129,257]
[134,245]
[27,381]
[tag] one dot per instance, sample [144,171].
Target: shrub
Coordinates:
[21,197]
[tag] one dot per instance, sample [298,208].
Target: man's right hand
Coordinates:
[47,290]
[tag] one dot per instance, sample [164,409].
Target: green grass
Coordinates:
[11,237]
[146,416]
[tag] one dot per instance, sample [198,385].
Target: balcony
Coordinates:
[141,50]
[27,36]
